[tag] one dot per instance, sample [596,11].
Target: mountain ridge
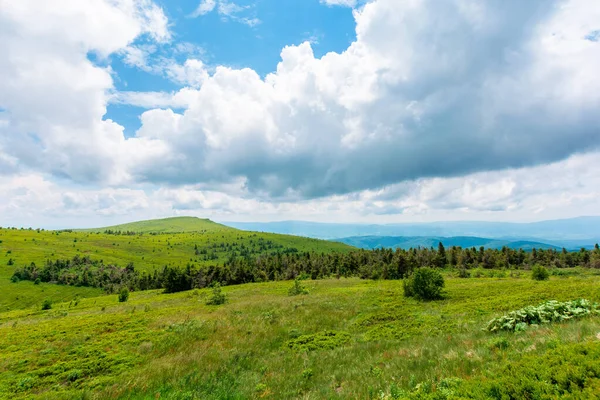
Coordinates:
[572,232]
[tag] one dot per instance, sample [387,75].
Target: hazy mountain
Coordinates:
[407,242]
[571,233]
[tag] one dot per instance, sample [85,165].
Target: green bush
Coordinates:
[217,297]
[37,281]
[123,295]
[424,284]
[47,304]
[326,340]
[539,273]
[297,288]
[463,273]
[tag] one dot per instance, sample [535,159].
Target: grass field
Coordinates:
[380,343]
[147,252]
[346,338]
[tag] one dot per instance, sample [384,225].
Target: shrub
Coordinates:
[74,375]
[14,279]
[217,297]
[539,273]
[297,288]
[463,273]
[37,281]
[47,304]
[123,295]
[10,262]
[424,284]
[326,340]
[550,311]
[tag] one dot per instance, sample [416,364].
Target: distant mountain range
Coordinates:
[569,233]
[407,242]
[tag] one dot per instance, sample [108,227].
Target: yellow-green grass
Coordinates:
[147,252]
[166,225]
[176,347]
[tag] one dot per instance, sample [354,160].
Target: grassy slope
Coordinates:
[176,347]
[166,225]
[147,252]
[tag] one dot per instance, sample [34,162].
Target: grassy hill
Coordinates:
[346,339]
[166,225]
[146,251]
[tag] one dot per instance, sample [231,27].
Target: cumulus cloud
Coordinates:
[54,96]
[461,111]
[523,194]
[464,87]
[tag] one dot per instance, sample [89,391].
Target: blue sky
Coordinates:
[375,111]
[219,39]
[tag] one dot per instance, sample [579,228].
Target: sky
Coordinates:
[377,111]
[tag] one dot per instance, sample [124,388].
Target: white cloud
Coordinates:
[345,3]
[204,7]
[457,115]
[54,95]
[562,189]
[180,99]
[465,87]
[228,10]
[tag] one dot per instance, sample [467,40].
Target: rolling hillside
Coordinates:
[165,225]
[345,339]
[404,242]
[203,243]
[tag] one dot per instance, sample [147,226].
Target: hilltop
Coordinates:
[165,225]
[335,337]
[173,242]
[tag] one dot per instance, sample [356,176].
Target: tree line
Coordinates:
[286,265]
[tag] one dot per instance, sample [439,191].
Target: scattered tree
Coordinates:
[217,297]
[424,284]
[297,288]
[123,295]
[47,304]
[539,273]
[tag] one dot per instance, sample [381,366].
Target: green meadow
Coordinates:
[175,246]
[345,338]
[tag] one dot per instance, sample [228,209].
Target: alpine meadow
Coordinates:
[299,199]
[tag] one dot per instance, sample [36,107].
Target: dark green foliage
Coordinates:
[463,273]
[47,304]
[37,281]
[539,273]
[297,288]
[123,295]
[264,260]
[569,371]
[217,297]
[10,262]
[500,343]
[424,284]
[319,341]
[14,279]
